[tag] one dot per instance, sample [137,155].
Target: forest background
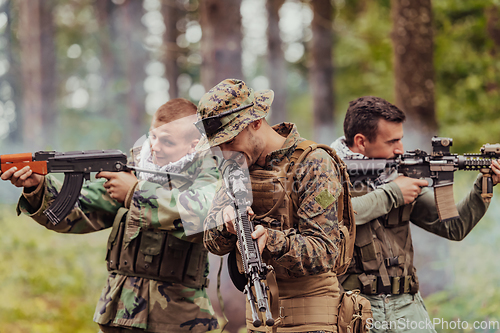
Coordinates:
[88,74]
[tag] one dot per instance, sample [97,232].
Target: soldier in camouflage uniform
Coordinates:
[158,274]
[301,246]
[382,267]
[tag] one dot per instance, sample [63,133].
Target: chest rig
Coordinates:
[383,255]
[156,254]
[276,201]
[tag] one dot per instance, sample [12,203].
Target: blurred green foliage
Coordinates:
[50,282]
[467,67]
[472,294]
[467,73]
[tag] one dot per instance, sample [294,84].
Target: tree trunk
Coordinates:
[276,66]
[493,26]
[413,45]
[105,10]
[36,35]
[220,22]
[172,13]
[14,75]
[221,42]
[134,59]
[321,72]
[493,29]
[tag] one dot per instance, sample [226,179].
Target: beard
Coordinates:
[257,148]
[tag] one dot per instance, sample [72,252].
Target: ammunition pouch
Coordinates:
[157,255]
[354,312]
[397,216]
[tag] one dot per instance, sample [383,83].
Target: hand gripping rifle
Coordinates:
[235,181]
[76,166]
[439,166]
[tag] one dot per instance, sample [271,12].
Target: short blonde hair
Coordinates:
[176,109]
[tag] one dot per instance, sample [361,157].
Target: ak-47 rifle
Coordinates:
[76,166]
[439,166]
[235,181]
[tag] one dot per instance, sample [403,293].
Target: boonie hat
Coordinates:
[227,109]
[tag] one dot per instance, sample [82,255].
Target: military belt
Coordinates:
[198,285]
[373,285]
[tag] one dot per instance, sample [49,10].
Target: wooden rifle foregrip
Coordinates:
[21,160]
[445,202]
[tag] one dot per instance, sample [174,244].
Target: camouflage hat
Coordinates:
[227,109]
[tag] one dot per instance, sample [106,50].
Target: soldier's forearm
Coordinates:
[377,203]
[471,209]
[310,251]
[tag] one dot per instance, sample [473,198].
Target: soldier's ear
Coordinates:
[256,124]
[359,143]
[192,146]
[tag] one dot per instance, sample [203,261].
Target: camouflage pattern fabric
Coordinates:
[133,302]
[228,95]
[312,247]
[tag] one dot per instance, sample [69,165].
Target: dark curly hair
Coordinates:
[363,115]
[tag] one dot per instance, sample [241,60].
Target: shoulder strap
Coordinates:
[345,212]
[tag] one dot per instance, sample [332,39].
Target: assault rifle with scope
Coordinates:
[76,166]
[438,166]
[236,181]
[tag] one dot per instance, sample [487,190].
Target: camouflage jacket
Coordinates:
[128,301]
[312,247]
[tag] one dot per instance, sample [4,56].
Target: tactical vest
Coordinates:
[276,202]
[307,303]
[383,255]
[156,254]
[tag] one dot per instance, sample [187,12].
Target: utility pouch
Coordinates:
[150,250]
[195,277]
[365,246]
[354,311]
[156,255]
[175,256]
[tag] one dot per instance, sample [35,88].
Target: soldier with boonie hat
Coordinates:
[228,108]
[297,231]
